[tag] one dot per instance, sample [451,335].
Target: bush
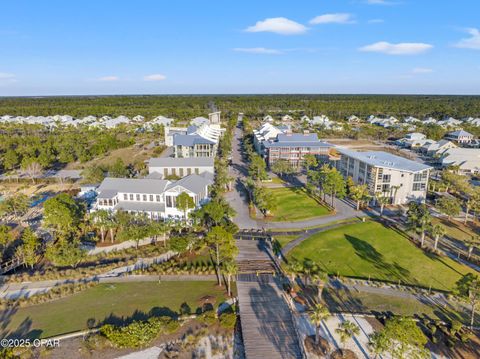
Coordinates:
[138,333]
[208,317]
[228,320]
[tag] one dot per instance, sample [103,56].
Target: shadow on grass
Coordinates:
[369,254]
[24,329]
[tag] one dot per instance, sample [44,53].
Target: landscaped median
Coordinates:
[295,204]
[370,250]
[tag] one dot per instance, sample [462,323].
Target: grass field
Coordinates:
[369,249]
[294,204]
[362,302]
[106,303]
[458,230]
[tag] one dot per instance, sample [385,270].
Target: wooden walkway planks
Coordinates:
[267,325]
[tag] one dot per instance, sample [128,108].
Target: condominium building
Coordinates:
[293,147]
[396,177]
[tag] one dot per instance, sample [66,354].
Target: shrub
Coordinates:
[228,320]
[138,333]
[208,317]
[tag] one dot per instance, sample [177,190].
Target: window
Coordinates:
[158,198]
[151,198]
[131,197]
[181,172]
[144,198]
[165,172]
[419,186]
[385,187]
[386,178]
[174,171]
[125,196]
[138,197]
[189,171]
[417,177]
[197,171]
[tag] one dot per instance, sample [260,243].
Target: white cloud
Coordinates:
[472,42]
[6,76]
[278,25]
[155,77]
[404,48]
[338,18]
[379,2]
[422,70]
[108,78]
[376,21]
[258,50]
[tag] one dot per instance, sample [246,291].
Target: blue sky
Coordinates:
[190,46]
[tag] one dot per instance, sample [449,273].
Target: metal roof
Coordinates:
[132,185]
[190,140]
[384,160]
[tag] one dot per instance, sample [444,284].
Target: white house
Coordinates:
[267,132]
[467,159]
[181,167]
[460,136]
[198,121]
[398,178]
[154,197]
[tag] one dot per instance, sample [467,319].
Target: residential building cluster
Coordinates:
[200,139]
[279,143]
[91,121]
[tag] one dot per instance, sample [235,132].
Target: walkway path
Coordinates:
[27,289]
[268,329]
[238,198]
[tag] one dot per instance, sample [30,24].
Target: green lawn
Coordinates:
[370,249]
[362,302]
[283,240]
[294,204]
[456,229]
[112,303]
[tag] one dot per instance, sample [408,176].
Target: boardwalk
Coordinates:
[267,325]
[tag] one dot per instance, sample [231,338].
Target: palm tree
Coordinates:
[319,313]
[230,269]
[438,231]
[320,278]
[382,200]
[345,331]
[100,219]
[294,268]
[472,244]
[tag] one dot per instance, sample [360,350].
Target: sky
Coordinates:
[100,47]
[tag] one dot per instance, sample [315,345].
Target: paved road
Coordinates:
[238,198]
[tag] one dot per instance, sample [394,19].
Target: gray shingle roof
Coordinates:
[385,160]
